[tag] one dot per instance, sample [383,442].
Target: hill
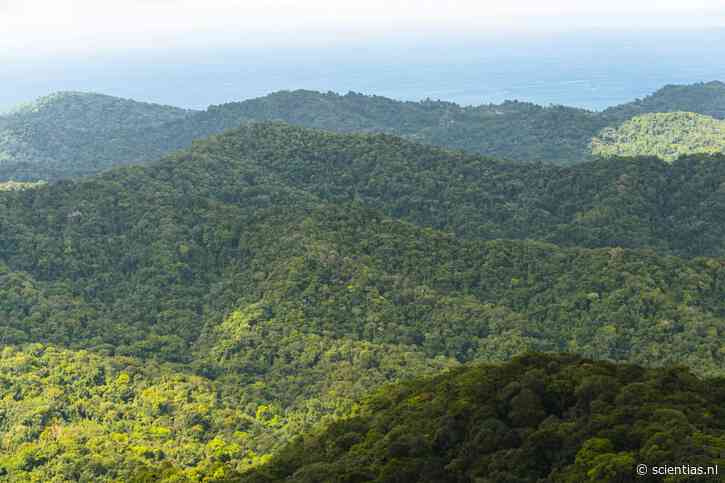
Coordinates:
[645,204]
[69,135]
[707,98]
[72,133]
[512,130]
[273,268]
[665,135]
[538,418]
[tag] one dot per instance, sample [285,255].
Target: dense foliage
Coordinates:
[257,285]
[80,417]
[538,418]
[706,98]
[667,136]
[68,135]
[512,130]
[146,261]
[676,208]
[19,185]
[71,133]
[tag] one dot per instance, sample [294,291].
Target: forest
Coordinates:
[665,135]
[72,134]
[538,418]
[357,289]
[190,319]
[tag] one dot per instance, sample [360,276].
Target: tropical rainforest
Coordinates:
[666,135]
[72,134]
[537,418]
[281,303]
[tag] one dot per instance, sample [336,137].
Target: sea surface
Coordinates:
[588,70]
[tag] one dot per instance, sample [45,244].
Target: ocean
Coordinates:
[588,70]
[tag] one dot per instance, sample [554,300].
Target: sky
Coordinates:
[30,28]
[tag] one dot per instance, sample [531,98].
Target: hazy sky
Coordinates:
[43,27]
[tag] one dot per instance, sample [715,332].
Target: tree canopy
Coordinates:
[667,136]
[538,418]
[187,319]
[74,134]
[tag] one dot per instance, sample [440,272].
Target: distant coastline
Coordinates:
[592,71]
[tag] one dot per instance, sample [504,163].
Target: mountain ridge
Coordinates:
[477,197]
[513,130]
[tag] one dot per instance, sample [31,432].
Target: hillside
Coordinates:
[270,267]
[676,208]
[538,418]
[707,98]
[69,135]
[667,136]
[512,130]
[72,133]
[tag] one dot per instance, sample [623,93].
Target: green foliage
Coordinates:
[676,208]
[668,136]
[159,262]
[706,98]
[71,134]
[151,262]
[77,416]
[15,185]
[538,418]
[273,274]
[512,130]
